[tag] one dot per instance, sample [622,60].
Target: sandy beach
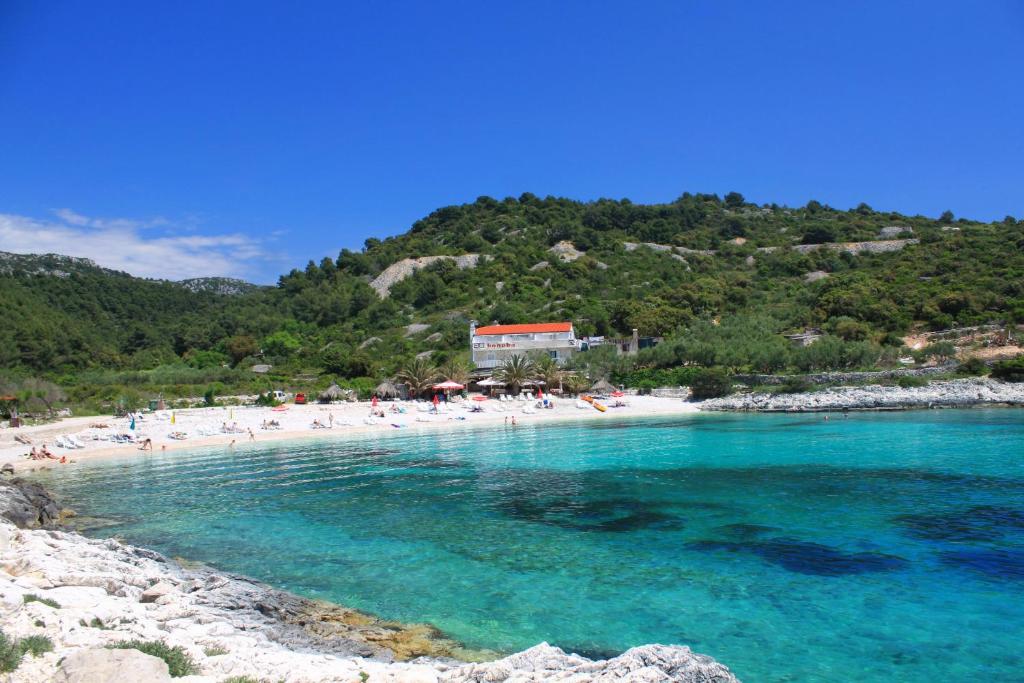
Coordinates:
[203,425]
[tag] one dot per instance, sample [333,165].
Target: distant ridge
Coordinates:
[59,265]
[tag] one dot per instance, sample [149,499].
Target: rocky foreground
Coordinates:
[957,393]
[85,594]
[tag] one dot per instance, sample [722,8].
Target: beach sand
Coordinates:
[296,421]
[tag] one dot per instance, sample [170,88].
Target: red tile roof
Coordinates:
[524,329]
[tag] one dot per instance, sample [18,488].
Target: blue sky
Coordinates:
[187,138]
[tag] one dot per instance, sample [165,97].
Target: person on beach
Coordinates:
[44,452]
[147,444]
[252,437]
[330,419]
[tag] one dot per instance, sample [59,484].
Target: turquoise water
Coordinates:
[876,548]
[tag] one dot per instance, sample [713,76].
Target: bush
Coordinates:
[910,381]
[1009,370]
[241,679]
[972,367]
[36,645]
[32,597]
[10,654]
[179,662]
[711,383]
[214,651]
[794,385]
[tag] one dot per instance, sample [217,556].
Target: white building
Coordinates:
[492,345]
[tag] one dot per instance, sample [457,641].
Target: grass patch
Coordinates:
[32,597]
[241,679]
[214,651]
[179,662]
[35,645]
[39,623]
[10,654]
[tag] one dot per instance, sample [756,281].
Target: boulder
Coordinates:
[647,663]
[100,665]
[157,590]
[28,505]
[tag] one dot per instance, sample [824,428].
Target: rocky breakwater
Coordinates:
[946,394]
[86,595]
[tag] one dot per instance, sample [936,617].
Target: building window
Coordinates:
[553,354]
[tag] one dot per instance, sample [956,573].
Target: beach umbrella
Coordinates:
[491,382]
[602,387]
[618,394]
[480,398]
[449,385]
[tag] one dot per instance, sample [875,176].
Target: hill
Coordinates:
[720,278]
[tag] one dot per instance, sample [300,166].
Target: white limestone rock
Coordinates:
[99,665]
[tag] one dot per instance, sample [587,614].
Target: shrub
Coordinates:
[711,383]
[10,654]
[214,651]
[794,385]
[179,662]
[36,645]
[1009,370]
[241,679]
[32,597]
[909,381]
[973,367]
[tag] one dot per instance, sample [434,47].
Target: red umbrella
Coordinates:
[480,398]
[617,394]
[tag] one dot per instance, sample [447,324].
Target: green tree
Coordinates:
[418,374]
[515,372]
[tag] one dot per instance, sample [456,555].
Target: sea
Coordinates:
[871,547]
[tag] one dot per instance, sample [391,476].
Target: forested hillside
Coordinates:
[721,278]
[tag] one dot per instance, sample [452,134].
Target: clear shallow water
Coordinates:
[876,548]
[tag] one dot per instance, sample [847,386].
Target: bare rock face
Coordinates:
[649,663]
[156,591]
[100,665]
[28,505]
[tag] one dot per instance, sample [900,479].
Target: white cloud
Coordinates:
[118,243]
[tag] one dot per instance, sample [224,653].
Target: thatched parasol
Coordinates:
[331,393]
[387,389]
[602,386]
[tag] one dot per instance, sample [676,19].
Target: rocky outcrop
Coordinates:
[28,505]
[400,270]
[649,663]
[948,394]
[566,251]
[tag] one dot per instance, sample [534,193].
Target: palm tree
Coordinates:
[418,374]
[575,383]
[455,370]
[515,372]
[546,368]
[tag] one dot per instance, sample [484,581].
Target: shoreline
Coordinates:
[349,421]
[104,591]
[946,394]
